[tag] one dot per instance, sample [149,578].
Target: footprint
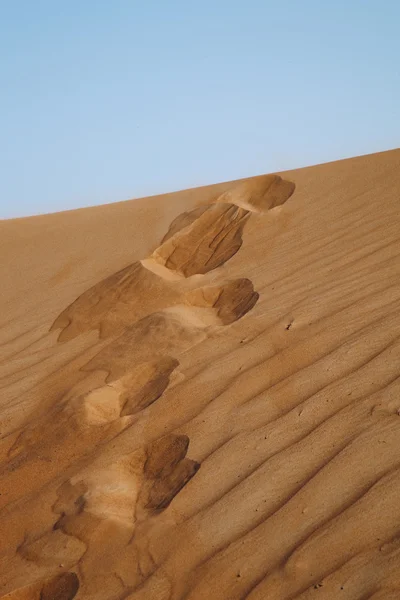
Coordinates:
[139,387]
[204,239]
[164,490]
[115,302]
[152,338]
[108,490]
[231,301]
[61,587]
[52,549]
[167,470]
[210,241]
[176,329]
[146,384]
[124,489]
[260,194]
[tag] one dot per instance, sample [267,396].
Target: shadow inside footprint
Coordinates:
[61,587]
[167,470]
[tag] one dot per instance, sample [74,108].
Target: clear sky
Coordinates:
[106,100]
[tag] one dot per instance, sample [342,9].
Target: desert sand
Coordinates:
[200,393]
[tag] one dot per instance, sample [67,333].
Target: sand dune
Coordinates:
[200,393]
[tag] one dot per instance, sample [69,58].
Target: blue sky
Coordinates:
[104,101]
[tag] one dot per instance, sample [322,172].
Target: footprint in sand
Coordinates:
[61,587]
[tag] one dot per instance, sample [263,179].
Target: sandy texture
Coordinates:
[200,393]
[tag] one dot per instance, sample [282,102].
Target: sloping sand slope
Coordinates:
[200,393]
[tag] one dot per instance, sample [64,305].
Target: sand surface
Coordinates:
[200,393]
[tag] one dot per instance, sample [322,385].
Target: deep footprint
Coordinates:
[61,587]
[115,302]
[167,470]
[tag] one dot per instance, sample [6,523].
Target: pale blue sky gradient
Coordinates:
[104,101]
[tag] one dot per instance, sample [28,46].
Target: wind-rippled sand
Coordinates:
[200,393]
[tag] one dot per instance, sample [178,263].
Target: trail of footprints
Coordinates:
[149,312]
